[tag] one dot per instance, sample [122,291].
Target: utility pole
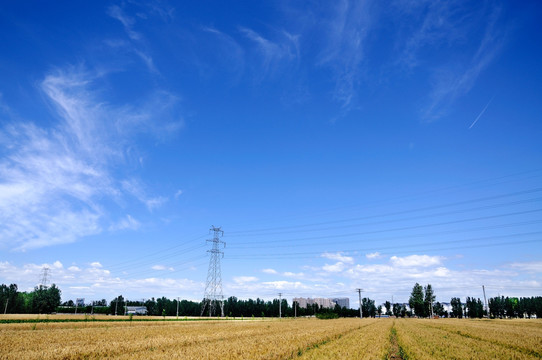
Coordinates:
[280,305]
[360,311]
[116,303]
[213,288]
[177,307]
[485,300]
[295,309]
[6,308]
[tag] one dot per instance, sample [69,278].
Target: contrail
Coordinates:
[481,113]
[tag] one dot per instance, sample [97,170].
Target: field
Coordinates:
[271,339]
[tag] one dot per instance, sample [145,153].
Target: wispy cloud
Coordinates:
[272,53]
[452,82]
[137,43]
[127,223]
[53,180]
[347,28]
[128,22]
[530,267]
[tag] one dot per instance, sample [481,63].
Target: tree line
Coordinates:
[421,304]
[42,300]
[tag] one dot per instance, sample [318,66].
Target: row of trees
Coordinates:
[41,300]
[421,304]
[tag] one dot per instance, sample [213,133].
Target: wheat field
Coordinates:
[274,339]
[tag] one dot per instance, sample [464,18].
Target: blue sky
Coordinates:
[339,145]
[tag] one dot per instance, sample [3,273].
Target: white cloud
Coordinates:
[162,268]
[128,223]
[337,267]
[294,275]
[269,271]
[96,264]
[530,267]
[374,255]
[244,279]
[339,257]
[416,261]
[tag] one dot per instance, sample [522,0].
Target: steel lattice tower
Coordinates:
[213,287]
[44,276]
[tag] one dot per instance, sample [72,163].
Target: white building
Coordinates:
[322,302]
[136,310]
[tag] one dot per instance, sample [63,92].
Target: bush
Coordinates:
[326,316]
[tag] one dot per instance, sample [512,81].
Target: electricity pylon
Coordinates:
[44,276]
[213,287]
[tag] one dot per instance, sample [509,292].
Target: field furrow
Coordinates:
[420,341]
[367,342]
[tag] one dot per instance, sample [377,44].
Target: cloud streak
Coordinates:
[53,180]
[481,113]
[450,83]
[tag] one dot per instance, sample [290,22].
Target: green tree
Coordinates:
[457,308]
[387,304]
[116,306]
[438,309]
[10,302]
[45,299]
[416,300]
[368,307]
[428,300]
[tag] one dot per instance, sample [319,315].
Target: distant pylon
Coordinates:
[213,287]
[44,277]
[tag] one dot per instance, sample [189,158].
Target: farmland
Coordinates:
[273,339]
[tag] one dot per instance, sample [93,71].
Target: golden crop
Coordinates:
[469,339]
[249,339]
[274,339]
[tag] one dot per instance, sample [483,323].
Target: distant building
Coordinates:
[322,302]
[136,310]
[342,302]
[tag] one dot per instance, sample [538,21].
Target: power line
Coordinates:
[411,227]
[314,226]
[401,199]
[310,254]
